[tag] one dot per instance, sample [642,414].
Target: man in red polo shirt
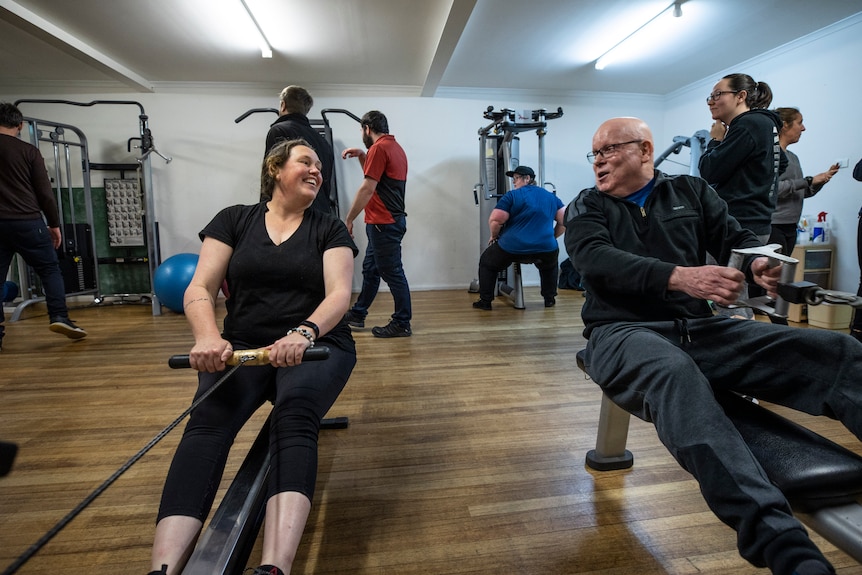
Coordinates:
[381,195]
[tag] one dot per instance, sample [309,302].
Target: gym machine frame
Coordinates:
[697,144]
[144,163]
[325,130]
[499,152]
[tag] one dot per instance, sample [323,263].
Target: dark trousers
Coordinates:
[31,240]
[666,373]
[856,326]
[301,397]
[383,260]
[784,235]
[495,259]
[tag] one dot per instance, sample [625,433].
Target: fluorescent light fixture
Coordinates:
[643,36]
[265,47]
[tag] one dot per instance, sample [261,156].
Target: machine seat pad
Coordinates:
[810,470]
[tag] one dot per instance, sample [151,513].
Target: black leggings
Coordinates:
[301,396]
[785,236]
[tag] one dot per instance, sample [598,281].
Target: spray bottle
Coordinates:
[821,229]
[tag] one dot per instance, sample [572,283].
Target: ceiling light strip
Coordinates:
[265,46]
[603,60]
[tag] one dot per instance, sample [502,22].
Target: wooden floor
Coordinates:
[464,454]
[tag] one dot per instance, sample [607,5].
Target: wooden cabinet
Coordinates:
[815,265]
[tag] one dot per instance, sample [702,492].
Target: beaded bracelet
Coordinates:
[313,326]
[304,333]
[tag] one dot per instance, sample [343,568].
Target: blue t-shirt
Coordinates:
[530,228]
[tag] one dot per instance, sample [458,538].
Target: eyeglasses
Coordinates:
[717,94]
[608,151]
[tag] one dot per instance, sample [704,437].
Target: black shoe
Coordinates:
[263,570]
[482,304]
[550,302]
[67,327]
[162,571]
[391,330]
[353,319]
[812,567]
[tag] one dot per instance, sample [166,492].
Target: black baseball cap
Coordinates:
[522,171]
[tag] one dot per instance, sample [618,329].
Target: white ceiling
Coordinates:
[420,47]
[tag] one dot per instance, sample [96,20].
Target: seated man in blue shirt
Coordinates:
[525,225]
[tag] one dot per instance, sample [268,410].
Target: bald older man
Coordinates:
[639,239]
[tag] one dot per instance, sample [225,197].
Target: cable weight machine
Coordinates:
[499,152]
[80,248]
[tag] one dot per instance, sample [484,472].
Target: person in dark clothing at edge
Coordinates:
[294,105]
[26,202]
[639,239]
[856,327]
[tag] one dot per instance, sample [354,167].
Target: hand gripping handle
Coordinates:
[788,271]
[251,357]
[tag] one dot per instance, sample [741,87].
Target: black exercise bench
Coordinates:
[821,479]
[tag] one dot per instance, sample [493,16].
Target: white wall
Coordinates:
[216,161]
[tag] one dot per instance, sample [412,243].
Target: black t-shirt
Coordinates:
[274,287]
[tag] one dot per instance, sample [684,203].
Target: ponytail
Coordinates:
[758,94]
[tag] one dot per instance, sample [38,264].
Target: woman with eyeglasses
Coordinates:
[742,159]
[793,185]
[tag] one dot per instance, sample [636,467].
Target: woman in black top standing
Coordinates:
[744,159]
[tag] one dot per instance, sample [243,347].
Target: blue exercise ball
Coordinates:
[172,278]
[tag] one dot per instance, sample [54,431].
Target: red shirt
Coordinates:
[386,163]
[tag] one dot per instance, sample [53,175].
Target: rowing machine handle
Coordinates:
[251,357]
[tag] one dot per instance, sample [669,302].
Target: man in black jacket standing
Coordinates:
[639,239]
[294,105]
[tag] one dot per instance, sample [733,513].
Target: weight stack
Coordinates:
[77,260]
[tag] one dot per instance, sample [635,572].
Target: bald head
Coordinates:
[625,128]
[624,156]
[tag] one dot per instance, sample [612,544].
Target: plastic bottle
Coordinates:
[821,229]
[803,230]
